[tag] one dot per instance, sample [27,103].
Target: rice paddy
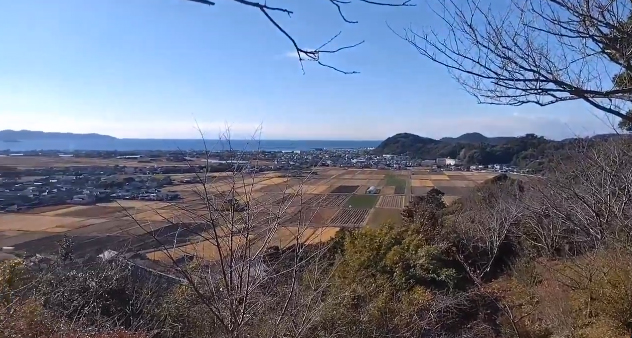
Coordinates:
[322,203]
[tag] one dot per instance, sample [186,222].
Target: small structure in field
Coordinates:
[373,190]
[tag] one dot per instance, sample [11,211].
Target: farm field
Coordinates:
[362,201]
[329,199]
[380,216]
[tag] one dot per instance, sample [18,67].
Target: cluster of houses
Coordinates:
[352,158]
[85,186]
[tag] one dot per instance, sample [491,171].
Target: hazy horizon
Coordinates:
[158,73]
[223,138]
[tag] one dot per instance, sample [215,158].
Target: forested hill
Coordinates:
[474,148]
[477,138]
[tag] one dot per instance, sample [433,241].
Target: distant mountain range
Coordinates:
[24,135]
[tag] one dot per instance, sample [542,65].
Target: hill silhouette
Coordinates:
[474,148]
[23,135]
[477,138]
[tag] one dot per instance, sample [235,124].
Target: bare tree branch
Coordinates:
[535,51]
[306,54]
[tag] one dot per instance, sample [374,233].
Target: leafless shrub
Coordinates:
[584,201]
[486,228]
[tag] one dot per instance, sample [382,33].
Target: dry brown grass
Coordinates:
[421,183]
[59,211]
[438,177]
[450,199]
[25,222]
[92,211]
[283,237]
[368,177]
[388,190]
[147,205]
[456,183]
[287,236]
[319,189]
[49,210]
[313,216]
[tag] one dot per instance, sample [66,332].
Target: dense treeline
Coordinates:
[528,151]
[540,257]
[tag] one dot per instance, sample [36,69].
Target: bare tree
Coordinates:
[584,201]
[486,227]
[306,54]
[535,51]
[246,271]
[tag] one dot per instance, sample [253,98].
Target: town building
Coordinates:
[443,162]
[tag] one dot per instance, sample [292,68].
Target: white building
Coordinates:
[446,161]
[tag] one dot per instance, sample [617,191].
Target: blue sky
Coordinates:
[152,68]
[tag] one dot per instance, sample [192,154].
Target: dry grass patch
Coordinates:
[453,191]
[287,236]
[450,199]
[456,183]
[419,191]
[388,190]
[313,216]
[283,237]
[369,177]
[87,222]
[372,182]
[319,189]
[26,222]
[348,182]
[48,209]
[147,205]
[421,183]
[277,188]
[166,215]
[438,177]
[57,230]
[204,250]
[274,180]
[93,211]
[420,172]
[60,211]
[480,177]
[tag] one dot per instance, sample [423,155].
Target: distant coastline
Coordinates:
[130,145]
[27,140]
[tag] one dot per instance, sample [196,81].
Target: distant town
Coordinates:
[148,175]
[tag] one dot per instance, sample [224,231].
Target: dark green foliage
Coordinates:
[476,138]
[521,151]
[362,201]
[626,125]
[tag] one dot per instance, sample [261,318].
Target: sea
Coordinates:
[182,145]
